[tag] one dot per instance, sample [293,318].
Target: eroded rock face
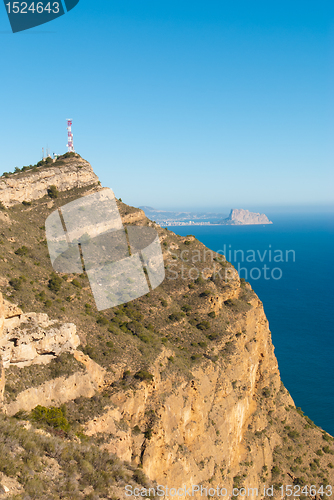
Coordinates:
[199,424]
[32,338]
[58,391]
[74,173]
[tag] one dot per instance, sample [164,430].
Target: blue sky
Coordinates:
[180,104]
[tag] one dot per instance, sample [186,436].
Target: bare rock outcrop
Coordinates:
[65,175]
[32,338]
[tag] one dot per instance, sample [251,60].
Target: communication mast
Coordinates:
[70,136]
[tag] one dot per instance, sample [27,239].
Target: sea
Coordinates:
[290,266]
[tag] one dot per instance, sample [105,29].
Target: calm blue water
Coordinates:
[299,305]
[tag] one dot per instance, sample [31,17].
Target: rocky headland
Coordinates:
[239,217]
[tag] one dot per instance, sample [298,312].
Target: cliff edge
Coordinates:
[65,173]
[181,385]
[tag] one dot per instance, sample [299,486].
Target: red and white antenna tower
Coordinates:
[70,136]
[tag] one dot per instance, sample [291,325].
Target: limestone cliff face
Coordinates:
[27,186]
[199,427]
[61,389]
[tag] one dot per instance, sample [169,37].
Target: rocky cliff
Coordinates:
[32,338]
[182,383]
[239,217]
[31,185]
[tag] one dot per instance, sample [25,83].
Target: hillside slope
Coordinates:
[181,385]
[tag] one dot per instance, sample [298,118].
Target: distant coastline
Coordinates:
[237,217]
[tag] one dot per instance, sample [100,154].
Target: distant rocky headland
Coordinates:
[240,217]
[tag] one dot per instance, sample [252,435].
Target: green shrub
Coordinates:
[101,320]
[143,375]
[16,283]
[148,434]
[203,325]
[212,314]
[21,251]
[200,280]
[237,481]
[51,416]
[186,308]
[194,357]
[177,316]
[76,283]
[266,392]
[113,329]
[229,302]
[91,352]
[70,154]
[293,434]
[275,471]
[206,293]
[2,206]
[135,327]
[26,203]
[53,192]
[164,303]
[55,283]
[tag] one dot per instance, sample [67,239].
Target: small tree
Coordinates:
[53,191]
